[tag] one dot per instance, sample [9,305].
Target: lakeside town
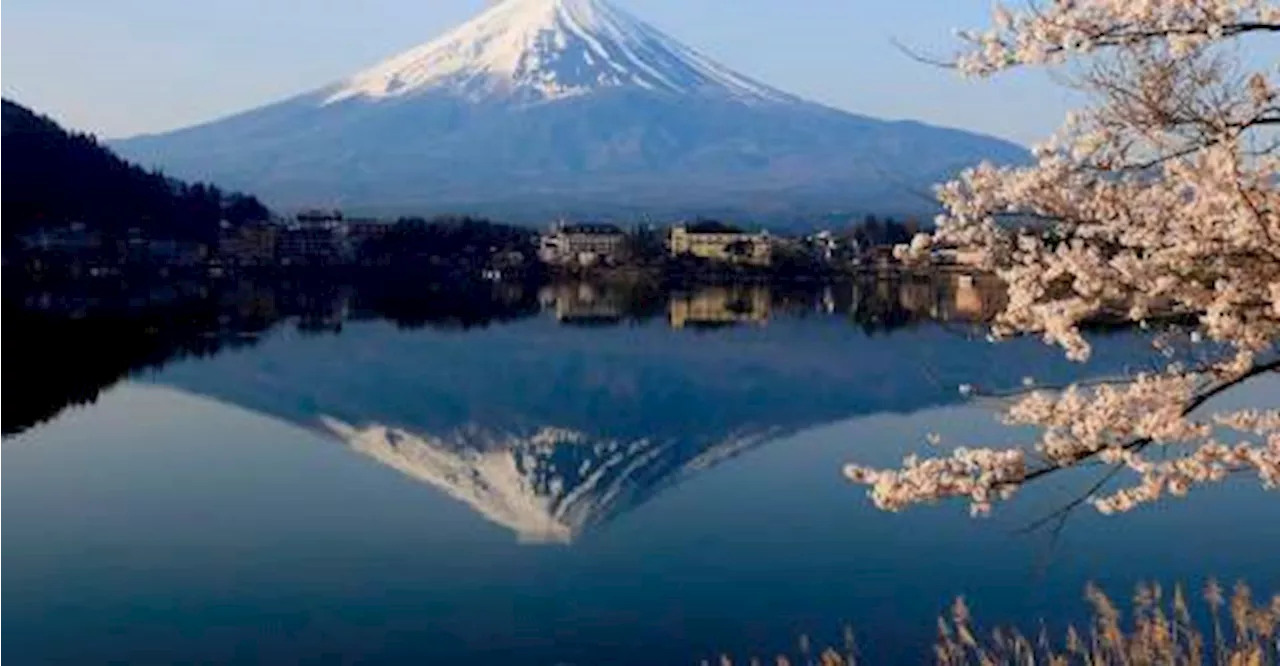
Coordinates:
[473,249]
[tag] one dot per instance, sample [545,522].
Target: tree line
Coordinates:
[54,178]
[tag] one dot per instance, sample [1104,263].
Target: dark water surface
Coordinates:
[657,489]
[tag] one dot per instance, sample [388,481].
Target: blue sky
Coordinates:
[131,66]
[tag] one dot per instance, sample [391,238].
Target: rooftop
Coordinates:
[711,227]
[592,228]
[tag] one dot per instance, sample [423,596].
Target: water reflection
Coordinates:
[872,302]
[549,434]
[713,307]
[544,427]
[103,332]
[435,475]
[547,487]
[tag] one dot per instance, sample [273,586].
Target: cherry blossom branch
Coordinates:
[1155,202]
[1063,512]
[1141,442]
[984,474]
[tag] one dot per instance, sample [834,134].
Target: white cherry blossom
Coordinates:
[1157,205]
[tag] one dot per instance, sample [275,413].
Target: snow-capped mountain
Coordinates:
[547,486]
[563,106]
[541,50]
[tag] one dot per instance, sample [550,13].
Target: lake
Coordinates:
[573,474]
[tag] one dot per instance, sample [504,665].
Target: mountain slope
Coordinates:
[54,177]
[572,103]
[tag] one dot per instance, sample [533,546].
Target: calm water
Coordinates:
[570,477]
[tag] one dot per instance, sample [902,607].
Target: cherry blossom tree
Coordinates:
[1157,205]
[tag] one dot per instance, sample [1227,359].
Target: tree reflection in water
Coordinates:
[69,342]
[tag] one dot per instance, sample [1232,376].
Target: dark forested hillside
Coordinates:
[52,177]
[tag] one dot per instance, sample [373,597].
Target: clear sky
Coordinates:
[122,67]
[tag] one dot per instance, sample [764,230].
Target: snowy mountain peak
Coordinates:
[539,50]
[547,486]
[544,108]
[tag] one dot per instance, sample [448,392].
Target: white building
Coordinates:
[581,244]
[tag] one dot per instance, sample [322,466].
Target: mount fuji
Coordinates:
[564,106]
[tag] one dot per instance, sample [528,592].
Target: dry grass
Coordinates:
[804,655]
[1159,631]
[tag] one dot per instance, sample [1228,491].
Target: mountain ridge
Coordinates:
[545,101]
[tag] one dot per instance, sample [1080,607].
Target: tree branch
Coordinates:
[1141,442]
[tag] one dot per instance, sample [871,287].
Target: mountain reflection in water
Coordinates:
[546,425]
[303,472]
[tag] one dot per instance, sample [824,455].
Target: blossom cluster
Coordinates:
[1210,462]
[1079,422]
[1055,31]
[1118,424]
[1159,201]
[982,475]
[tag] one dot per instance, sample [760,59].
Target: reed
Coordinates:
[1159,630]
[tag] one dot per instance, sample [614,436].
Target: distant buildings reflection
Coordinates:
[583,303]
[875,301]
[720,306]
[150,322]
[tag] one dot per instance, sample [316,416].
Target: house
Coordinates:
[313,238]
[721,242]
[834,248]
[581,244]
[310,246]
[319,217]
[248,244]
